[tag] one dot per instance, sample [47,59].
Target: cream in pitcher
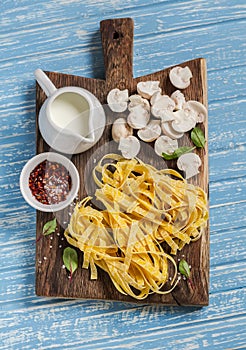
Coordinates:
[71,120]
[71,111]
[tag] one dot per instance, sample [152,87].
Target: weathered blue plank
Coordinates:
[220,51]
[152,323]
[63,36]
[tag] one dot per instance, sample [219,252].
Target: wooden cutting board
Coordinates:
[51,278]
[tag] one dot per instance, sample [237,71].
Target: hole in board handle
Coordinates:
[117,35]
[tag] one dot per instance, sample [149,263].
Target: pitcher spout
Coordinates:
[87,139]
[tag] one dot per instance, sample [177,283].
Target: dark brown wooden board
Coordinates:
[51,279]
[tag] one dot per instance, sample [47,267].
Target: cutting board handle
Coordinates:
[117,43]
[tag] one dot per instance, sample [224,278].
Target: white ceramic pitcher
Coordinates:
[71,120]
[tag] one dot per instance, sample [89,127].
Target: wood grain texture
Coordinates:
[51,280]
[63,36]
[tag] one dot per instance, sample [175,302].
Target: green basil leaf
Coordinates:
[184,268]
[177,153]
[197,137]
[70,259]
[49,227]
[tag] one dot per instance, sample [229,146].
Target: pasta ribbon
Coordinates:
[144,207]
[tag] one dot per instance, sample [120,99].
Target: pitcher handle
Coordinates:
[45,83]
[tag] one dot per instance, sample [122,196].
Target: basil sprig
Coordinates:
[177,153]
[49,227]
[70,260]
[197,137]
[184,269]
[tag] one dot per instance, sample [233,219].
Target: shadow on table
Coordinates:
[97,61]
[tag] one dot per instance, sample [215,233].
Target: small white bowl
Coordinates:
[53,157]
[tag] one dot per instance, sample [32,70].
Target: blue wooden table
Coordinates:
[64,36]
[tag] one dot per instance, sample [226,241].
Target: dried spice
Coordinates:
[50,182]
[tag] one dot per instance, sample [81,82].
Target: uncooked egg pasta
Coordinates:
[144,207]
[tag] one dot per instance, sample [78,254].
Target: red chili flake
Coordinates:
[50,182]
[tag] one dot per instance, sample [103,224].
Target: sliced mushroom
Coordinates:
[155,97]
[151,132]
[189,163]
[161,104]
[117,100]
[138,118]
[129,147]
[167,116]
[198,109]
[168,130]
[136,100]
[179,99]
[183,121]
[165,144]
[120,129]
[180,77]
[147,88]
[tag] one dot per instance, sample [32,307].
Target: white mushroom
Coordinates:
[183,121]
[129,147]
[151,132]
[136,100]
[147,88]
[168,130]
[117,100]
[189,163]
[120,129]
[161,104]
[155,97]
[165,144]
[179,99]
[180,77]
[167,116]
[166,113]
[138,118]
[198,109]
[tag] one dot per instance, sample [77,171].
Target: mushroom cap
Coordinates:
[155,97]
[151,132]
[147,88]
[180,77]
[189,163]
[138,118]
[178,98]
[183,121]
[160,104]
[136,100]
[117,100]
[198,109]
[168,130]
[129,147]
[167,116]
[165,144]
[120,129]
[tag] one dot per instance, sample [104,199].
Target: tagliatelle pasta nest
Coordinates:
[144,207]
